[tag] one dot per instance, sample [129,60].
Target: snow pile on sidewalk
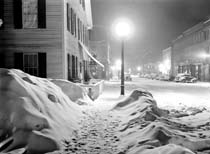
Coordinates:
[35,114]
[73,91]
[147,129]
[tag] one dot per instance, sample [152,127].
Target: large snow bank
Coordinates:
[147,129]
[34,113]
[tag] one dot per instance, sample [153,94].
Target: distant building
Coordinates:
[191,50]
[150,68]
[46,38]
[101,50]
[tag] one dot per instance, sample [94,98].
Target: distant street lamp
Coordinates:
[139,68]
[123,30]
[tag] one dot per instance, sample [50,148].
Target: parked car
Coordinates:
[128,77]
[185,78]
[163,77]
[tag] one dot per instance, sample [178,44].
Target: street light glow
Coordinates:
[204,55]
[122,28]
[118,64]
[139,68]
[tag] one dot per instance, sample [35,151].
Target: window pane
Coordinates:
[25,61]
[30,61]
[35,61]
[30,17]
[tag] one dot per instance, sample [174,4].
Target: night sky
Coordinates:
[157,23]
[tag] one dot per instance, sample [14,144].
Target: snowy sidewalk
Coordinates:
[96,135]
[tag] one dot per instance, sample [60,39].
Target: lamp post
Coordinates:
[122,29]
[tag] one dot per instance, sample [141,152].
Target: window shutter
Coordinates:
[42,60]
[2,12]
[41,13]
[17,14]
[67,16]
[72,22]
[2,60]
[75,24]
[18,60]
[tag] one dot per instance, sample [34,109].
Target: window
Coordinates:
[83,33]
[69,67]
[76,67]
[206,34]
[30,63]
[72,22]
[29,13]
[75,25]
[81,30]
[73,67]
[78,28]
[68,15]
[83,4]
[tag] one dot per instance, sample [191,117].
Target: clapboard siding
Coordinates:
[48,40]
[71,42]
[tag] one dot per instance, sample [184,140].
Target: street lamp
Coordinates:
[122,30]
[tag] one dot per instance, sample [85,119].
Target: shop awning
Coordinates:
[90,55]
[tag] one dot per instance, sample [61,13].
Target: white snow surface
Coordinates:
[39,115]
[35,114]
[73,91]
[147,129]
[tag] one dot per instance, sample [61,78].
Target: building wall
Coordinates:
[187,51]
[47,40]
[59,40]
[79,24]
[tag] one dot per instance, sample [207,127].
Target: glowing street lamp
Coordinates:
[122,30]
[139,68]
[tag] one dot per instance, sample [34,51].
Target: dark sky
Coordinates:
[157,23]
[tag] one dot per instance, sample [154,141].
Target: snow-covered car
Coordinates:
[185,78]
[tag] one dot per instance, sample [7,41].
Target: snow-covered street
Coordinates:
[167,94]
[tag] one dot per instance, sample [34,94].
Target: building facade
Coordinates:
[46,38]
[191,50]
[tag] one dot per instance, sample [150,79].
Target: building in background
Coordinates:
[100,46]
[150,68]
[165,65]
[191,52]
[47,38]
[101,51]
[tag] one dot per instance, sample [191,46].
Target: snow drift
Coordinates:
[75,92]
[35,114]
[147,129]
